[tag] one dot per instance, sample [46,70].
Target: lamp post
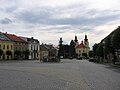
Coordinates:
[103,50]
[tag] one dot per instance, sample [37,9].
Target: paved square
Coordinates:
[66,75]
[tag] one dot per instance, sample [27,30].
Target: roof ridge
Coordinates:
[14,37]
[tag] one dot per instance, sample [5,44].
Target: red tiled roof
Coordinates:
[14,38]
[80,46]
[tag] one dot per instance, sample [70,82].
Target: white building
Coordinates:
[34,47]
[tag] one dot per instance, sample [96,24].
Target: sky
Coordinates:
[48,20]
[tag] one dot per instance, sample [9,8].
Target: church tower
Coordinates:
[76,41]
[86,41]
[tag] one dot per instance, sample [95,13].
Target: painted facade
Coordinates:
[12,43]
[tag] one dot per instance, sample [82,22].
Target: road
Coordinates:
[66,75]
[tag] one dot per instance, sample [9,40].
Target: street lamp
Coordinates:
[103,50]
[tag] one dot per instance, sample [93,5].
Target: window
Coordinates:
[11,47]
[83,51]
[7,46]
[34,47]
[3,46]
[31,47]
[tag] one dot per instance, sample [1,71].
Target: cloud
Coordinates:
[5,21]
[53,16]
[48,20]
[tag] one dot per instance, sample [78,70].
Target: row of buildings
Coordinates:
[17,47]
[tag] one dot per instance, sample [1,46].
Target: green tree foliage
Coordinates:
[116,39]
[66,51]
[1,52]
[95,46]
[99,51]
[26,54]
[17,54]
[8,53]
[111,45]
[60,51]
[91,54]
[72,49]
[108,45]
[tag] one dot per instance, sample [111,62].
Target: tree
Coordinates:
[26,54]
[17,54]
[99,51]
[66,51]
[1,53]
[95,46]
[108,45]
[72,49]
[8,53]
[116,39]
[60,51]
[116,43]
[91,54]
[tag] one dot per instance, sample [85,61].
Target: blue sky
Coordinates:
[48,20]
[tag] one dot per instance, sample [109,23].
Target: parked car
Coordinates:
[70,57]
[91,59]
[52,59]
[79,58]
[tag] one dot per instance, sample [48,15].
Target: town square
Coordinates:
[59,44]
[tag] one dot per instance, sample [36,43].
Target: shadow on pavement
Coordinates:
[115,68]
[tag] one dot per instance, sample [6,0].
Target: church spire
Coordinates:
[86,41]
[76,40]
[85,38]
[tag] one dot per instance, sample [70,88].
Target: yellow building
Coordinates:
[12,47]
[19,46]
[6,47]
[44,52]
[8,50]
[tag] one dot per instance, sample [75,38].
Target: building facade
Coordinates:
[33,47]
[48,51]
[44,51]
[6,48]
[19,46]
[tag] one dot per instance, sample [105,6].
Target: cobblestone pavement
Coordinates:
[66,75]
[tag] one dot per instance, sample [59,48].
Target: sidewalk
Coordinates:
[114,65]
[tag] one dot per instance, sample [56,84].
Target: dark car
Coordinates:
[91,59]
[79,58]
